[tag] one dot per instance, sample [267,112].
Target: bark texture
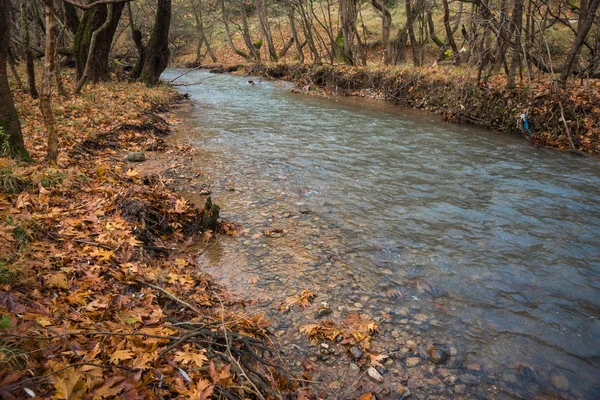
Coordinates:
[92,20]
[157,50]
[10,134]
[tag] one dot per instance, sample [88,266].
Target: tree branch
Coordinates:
[94,4]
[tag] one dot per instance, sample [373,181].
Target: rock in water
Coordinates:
[374,375]
[412,362]
[438,355]
[211,215]
[136,156]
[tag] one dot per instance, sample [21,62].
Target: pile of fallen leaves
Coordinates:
[96,299]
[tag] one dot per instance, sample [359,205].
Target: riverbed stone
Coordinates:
[356,352]
[451,380]
[438,354]
[136,156]
[460,389]
[374,375]
[560,382]
[469,379]
[412,362]
[354,369]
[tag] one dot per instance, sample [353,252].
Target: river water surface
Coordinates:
[455,235]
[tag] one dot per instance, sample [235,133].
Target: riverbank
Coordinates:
[566,120]
[98,294]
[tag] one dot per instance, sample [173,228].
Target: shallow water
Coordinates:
[495,245]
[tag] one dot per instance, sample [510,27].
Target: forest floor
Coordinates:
[98,296]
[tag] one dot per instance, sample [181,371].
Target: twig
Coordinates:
[562,116]
[172,297]
[241,370]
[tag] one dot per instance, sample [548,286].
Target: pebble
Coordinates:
[460,389]
[411,344]
[403,312]
[412,362]
[451,380]
[560,382]
[322,313]
[474,367]
[325,346]
[335,385]
[136,156]
[374,375]
[356,352]
[438,355]
[469,379]
[358,305]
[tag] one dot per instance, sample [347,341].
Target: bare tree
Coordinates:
[46,92]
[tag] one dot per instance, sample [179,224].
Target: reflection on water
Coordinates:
[494,242]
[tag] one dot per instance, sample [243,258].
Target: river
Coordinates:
[456,235]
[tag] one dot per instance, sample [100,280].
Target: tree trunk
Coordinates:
[46,93]
[386,26]
[307,27]
[13,69]
[92,49]
[252,49]
[202,39]
[347,11]
[411,14]
[229,35]
[265,28]
[11,137]
[450,33]
[399,46]
[136,36]
[27,50]
[517,19]
[292,19]
[92,20]
[57,73]
[157,50]
[587,16]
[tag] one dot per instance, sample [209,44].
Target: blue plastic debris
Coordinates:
[525,122]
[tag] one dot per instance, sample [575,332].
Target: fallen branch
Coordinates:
[173,297]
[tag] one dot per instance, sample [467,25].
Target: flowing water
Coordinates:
[453,234]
